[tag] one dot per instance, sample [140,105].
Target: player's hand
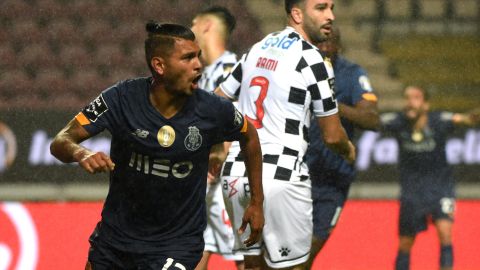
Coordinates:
[96,162]
[352,154]
[254,217]
[213,172]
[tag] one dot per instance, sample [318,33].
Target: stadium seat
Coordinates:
[109,55]
[96,32]
[87,84]
[75,56]
[10,9]
[36,56]
[7,56]
[23,31]
[13,82]
[51,82]
[63,31]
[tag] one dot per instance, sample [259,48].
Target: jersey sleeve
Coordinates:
[98,115]
[320,82]
[390,122]
[446,121]
[232,122]
[231,85]
[361,87]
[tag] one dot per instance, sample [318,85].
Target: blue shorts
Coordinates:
[414,214]
[328,201]
[103,256]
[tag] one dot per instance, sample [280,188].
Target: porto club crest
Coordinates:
[193,141]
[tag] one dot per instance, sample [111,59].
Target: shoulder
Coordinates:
[351,67]
[391,117]
[441,116]
[208,101]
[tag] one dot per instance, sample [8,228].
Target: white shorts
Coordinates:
[218,235]
[287,233]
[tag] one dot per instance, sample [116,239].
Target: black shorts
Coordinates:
[414,214]
[104,256]
[328,201]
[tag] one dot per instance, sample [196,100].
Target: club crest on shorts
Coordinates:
[193,141]
[166,136]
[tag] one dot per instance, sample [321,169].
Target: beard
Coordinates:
[314,33]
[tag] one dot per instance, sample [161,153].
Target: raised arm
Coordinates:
[364,114]
[252,152]
[335,137]
[468,119]
[66,147]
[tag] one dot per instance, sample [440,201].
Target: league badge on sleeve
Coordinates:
[237,121]
[193,141]
[95,109]
[365,83]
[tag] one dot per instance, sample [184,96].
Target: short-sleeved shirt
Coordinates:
[278,83]
[424,172]
[351,86]
[156,199]
[217,72]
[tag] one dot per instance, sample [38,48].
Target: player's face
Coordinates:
[197,25]
[415,104]
[183,67]
[317,19]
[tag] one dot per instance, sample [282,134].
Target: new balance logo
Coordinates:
[140,133]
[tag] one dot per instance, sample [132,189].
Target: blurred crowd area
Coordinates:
[59,54]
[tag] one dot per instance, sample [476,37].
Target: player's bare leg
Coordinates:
[444,231]
[317,245]
[88,266]
[254,263]
[405,245]
[203,264]
[240,265]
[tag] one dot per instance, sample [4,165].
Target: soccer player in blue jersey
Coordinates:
[162,130]
[213,28]
[427,185]
[331,174]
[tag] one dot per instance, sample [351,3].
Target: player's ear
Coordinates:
[297,15]
[158,64]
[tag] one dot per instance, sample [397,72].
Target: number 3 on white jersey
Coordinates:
[263,83]
[169,263]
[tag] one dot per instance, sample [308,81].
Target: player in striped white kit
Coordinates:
[278,83]
[213,27]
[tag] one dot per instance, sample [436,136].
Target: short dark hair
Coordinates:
[161,38]
[290,3]
[223,14]
[425,92]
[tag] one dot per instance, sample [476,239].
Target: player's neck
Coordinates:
[213,52]
[166,103]
[421,121]
[298,28]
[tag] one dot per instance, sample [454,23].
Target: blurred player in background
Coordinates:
[162,130]
[8,147]
[278,83]
[427,185]
[213,27]
[330,173]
